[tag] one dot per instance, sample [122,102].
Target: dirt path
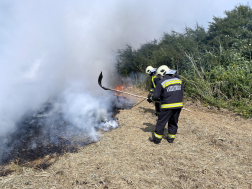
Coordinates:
[212,150]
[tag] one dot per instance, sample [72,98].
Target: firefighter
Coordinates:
[170,91]
[154,80]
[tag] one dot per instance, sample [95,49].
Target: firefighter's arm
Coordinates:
[150,94]
[152,87]
[156,80]
[157,92]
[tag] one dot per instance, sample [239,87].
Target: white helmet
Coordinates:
[149,69]
[163,70]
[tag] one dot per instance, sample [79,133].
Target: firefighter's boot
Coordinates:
[170,138]
[154,141]
[155,138]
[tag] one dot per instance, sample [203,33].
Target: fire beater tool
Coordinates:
[100,80]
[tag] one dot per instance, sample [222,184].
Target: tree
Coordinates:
[233,32]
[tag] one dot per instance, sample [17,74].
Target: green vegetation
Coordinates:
[215,65]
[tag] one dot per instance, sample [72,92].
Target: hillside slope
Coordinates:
[212,150]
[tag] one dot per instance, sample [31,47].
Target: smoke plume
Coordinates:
[51,54]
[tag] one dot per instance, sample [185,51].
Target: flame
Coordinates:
[119,88]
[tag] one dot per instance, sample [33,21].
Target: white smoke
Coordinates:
[56,50]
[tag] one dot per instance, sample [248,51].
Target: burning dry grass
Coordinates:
[212,150]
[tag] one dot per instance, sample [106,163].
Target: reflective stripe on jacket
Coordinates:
[154,81]
[170,90]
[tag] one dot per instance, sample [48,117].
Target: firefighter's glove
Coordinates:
[149,99]
[150,94]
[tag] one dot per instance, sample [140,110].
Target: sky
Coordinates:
[183,13]
[58,48]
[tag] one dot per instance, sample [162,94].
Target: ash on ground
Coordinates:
[47,132]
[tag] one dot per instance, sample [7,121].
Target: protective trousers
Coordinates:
[167,115]
[157,108]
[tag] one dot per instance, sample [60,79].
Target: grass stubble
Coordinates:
[212,149]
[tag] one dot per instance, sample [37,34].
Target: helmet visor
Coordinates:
[154,69]
[171,72]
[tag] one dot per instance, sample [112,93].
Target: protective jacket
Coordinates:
[154,81]
[170,90]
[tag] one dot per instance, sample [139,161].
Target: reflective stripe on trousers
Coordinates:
[158,136]
[173,105]
[171,135]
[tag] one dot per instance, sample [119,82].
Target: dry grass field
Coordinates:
[213,149]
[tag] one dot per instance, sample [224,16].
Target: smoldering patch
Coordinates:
[62,126]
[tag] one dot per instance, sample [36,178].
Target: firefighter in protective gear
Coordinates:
[154,80]
[170,91]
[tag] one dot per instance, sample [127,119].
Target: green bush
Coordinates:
[215,65]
